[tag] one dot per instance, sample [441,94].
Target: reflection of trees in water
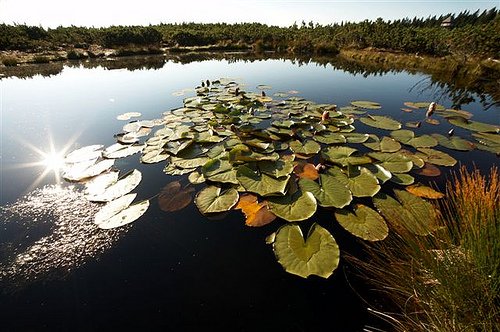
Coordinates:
[461,85]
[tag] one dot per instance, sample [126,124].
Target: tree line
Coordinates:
[471,34]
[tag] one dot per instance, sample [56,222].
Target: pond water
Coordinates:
[177,270]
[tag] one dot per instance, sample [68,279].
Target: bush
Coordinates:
[10,61]
[41,59]
[75,55]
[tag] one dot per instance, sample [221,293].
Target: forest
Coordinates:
[474,35]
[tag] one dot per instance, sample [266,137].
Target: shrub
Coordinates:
[41,59]
[10,61]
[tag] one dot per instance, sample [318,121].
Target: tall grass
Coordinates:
[449,280]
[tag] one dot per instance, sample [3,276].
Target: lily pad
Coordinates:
[344,156]
[363,222]
[474,125]
[307,148]
[253,180]
[393,162]
[360,181]
[214,199]
[366,104]
[118,189]
[436,157]
[85,153]
[329,192]
[423,191]
[381,122]
[318,255]
[296,207]
[119,150]
[402,179]
[196,178]
[173,197]
[454,142]
[126,216]
[257,214]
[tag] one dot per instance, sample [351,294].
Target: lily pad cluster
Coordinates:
[287,158]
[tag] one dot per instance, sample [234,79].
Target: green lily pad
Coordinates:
[356,137]
[344,156]
[393,162]
[189,163]
[196,178]
[318,255]
[436,157]
[214,199]
[411,213]
[307,148]
[329,192]
[330,138]
[278,168]
[225,177]
[299,206]
[402,179]
[408,137]
[361,182]
[380,172]
[474,125]
[215,166]
[366,104]
[363,222]
[381,122]
[454,142]
[260,183]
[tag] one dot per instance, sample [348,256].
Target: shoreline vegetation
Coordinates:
[448,280]
[472,38]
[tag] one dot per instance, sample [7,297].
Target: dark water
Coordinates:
[172,271]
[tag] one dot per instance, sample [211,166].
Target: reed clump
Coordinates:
[449,280]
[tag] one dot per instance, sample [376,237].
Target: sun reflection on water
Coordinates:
[70,240]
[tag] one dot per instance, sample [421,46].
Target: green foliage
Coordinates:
[472,34]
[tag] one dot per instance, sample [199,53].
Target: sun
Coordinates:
[49,159]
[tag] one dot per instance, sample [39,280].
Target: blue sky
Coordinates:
[52,13]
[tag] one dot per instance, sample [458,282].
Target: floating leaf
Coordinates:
[118,189]
[119,150]
[474,125]
[454,142]
[344,156]
[173,197]
[98,184]
[428,170]
[154,156]
[260,183]
[408,137]
[402,179]
[449,113]
[257,214]
[411,212]
[380,172]
[85,153]
[196,178]
[330,138]
[393,162]
[278,168]
[363,222]
[296,207]
[128,115]
[356,137]
[309,147]
[77,174]
[318,255]
[436,157]
[382,122]
[422,104]
[434,122]
[329,192]
[360,181]
[126,216]
[306,171]
[114,207]
[423,191]
[366,104]
[213,199]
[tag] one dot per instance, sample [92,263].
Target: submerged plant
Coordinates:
[448,280]
[294,156]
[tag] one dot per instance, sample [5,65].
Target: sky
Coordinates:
[101,13]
